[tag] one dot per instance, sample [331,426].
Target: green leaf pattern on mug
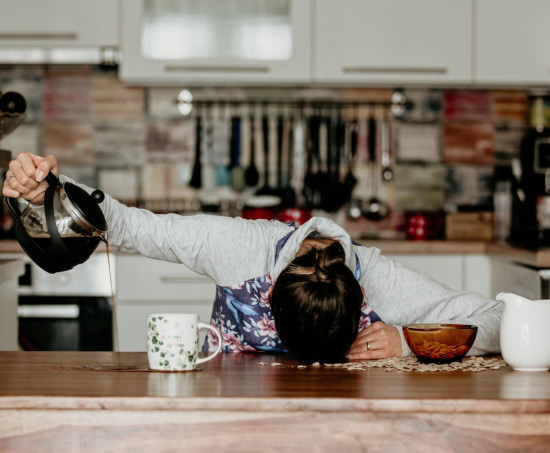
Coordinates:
[170,359]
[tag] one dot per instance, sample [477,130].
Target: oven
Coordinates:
[66,311]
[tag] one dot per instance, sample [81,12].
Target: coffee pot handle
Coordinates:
[52,180]
[13,207]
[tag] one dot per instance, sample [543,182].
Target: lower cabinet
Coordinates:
[462,272]
[147,286]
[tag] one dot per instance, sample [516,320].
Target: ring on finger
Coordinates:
[368,345]
[11,175]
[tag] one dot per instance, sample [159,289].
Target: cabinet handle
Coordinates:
[216,68]
[180,279]
[393,70]
[49,311]
[39,36]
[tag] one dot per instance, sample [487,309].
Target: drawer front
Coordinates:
[140,278]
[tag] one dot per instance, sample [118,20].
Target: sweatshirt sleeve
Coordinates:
[400,295]
[228,250]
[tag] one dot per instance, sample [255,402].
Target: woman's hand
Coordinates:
[25,177]
[377,341]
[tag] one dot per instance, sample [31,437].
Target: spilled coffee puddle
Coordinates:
[126,368]
[112,367]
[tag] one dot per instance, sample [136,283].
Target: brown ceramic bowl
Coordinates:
[440,343]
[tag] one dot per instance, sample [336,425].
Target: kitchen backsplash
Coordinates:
[135,144]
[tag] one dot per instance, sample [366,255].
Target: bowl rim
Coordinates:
[432,327]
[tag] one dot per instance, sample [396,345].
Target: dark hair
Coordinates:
[316,303]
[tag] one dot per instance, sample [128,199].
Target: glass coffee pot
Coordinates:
[61,227]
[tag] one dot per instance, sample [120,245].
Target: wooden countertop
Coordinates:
[242,382]
[104,401]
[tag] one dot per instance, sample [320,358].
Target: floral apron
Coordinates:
[242,314]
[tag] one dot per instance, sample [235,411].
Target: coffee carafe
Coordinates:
[61,227]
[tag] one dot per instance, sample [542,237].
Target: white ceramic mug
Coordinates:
[173,341]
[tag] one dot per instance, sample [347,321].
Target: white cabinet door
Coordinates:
[219,41]
[447,269]
[477,275]
[132,318]
[512,41]
[390,41]
[70,31]
[145,286]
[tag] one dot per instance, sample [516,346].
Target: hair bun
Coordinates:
[332,255]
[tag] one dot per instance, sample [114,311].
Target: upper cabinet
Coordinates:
[58,31]
[216,41]
[393,41]
[513,41]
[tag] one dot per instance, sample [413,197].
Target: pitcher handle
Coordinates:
[202,325]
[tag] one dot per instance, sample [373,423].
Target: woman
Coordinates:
[309,290]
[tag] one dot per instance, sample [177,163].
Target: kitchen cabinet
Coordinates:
[10,270]
[512,41]
[58,31]
[393,41]
[511,277]
[462,272]
[145,286]
[220,42]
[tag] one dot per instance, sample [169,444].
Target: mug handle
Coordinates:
[202,325]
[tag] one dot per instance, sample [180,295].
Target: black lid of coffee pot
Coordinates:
[86,206]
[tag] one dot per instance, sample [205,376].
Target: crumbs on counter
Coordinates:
[401,364]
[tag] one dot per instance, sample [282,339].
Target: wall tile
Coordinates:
[467,104]
[468,185]
[468,142]
[72,143]
[119,144]
[111,100]
[170,141]
[67,93]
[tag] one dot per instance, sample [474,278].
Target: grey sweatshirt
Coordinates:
[231,250]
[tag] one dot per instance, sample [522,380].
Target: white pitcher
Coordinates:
[525,332]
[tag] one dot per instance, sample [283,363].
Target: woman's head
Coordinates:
[316,304]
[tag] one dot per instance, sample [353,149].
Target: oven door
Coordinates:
[66,311]
[64,323]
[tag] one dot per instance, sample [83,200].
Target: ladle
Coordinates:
[374,208]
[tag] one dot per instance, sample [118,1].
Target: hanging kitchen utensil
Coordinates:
[385,145]
[196,175]
[61,227]
[221,149]
[354,208]
[237,172]
[287,193]
[266,189]
[336,193]
[251,174]
[324,163]
[374,208]
[298,157]
[311,188]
